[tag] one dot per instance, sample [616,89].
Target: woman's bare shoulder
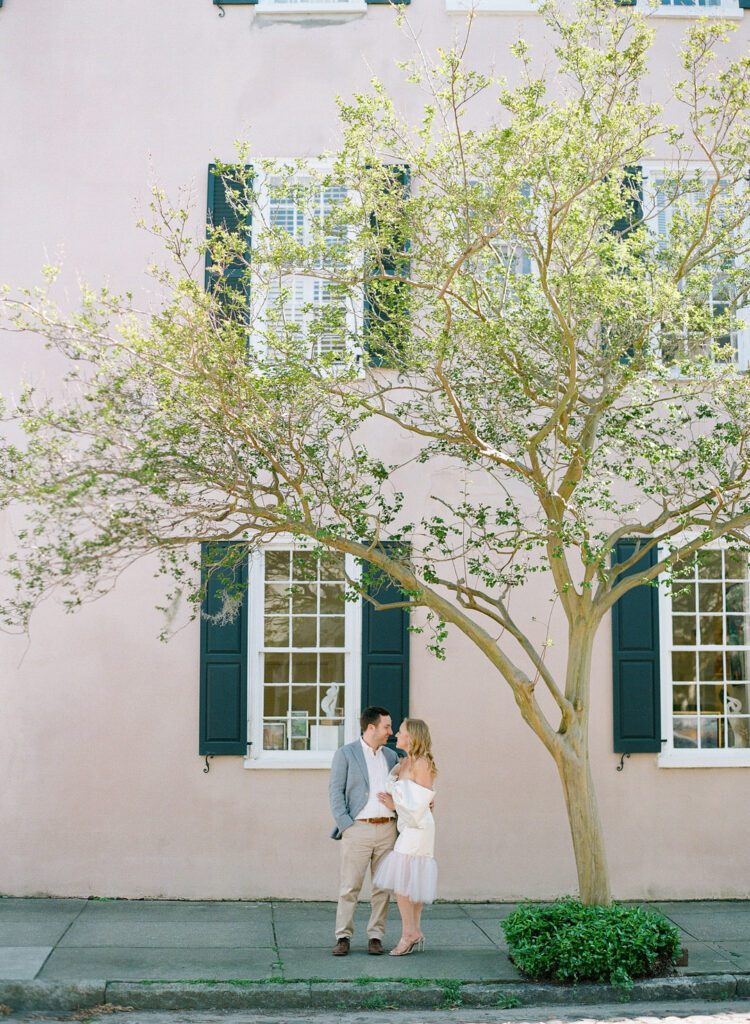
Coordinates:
[423,772]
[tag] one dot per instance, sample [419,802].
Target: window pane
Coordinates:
[738,732]
[736,665]
[684,631]
[305,566]
[686,732]
[304,698]
[331,599]
[275,701]
[712,631]
[332,566]
[736,565]
[709,565]
[276,668]
[304,631]
[737,702]
[276,632]
[305,599]
[276,599]
[274,736]
[711,733]
[277,565]
[710,597]
[683,666]
[332,668]
[304,668]
[332,701]
[684,698]
[711,665]
[683,599]
[332,631]
[736,597]
[737,630]
[712,699]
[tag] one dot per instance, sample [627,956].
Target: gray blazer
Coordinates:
[349,785]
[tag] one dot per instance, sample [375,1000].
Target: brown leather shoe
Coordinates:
[375,947]
[342,947]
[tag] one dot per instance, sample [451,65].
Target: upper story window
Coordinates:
[687,8]
[301,306]
[666,213]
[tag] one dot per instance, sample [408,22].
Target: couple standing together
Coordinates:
[375,795]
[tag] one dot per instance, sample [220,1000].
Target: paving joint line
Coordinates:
[278,964]
[59,939]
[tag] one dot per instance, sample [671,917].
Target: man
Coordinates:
[366,828]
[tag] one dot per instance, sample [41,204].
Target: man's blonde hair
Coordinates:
[421,742]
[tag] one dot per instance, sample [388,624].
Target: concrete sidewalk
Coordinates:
[128,951]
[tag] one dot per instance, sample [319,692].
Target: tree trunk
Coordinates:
[585,827]
[572,757]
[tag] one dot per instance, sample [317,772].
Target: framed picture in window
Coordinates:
[274,736]
[299,725]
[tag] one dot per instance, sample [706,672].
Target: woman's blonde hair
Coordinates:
[421,742]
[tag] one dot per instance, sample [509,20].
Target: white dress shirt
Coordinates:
[377,771]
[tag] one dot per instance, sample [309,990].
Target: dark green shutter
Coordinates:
[388,1]
[635,662]
[223,664]
[387,301]
[745,4]
[385,649]
[632,186]
[228,3]
[222,213]
[619,3]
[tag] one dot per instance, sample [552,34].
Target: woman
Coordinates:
[409,870]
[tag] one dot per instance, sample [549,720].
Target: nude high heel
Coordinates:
[417,945]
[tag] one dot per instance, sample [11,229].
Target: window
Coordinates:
[661,213]
[688,8]
[705,653]
[304,654]
[301,306]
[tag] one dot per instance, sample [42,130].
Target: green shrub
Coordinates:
[567,941]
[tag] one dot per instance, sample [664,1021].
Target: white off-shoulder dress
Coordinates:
[410,868]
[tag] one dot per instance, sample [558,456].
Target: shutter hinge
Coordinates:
[621,765]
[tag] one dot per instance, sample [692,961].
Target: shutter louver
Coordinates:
[223,660]
[386,307]
[632,189]
[221,213]
[745,4]
[635,662]
[385,648]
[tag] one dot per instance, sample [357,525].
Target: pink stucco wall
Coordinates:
[103,790]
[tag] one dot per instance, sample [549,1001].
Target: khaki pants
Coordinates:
[363,845]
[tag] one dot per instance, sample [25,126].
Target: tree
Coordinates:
[525,326]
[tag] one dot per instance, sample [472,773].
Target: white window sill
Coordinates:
[704,759]
[492,6]
[286,760]
[286,9]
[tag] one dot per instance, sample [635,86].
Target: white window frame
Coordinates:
[493,6]
[291,8]
[677,757]
[285,759]
[651,170]
[261,178]
[726,9]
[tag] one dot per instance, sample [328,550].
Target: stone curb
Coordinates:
[347,995]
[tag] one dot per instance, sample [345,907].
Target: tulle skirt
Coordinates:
[408,875]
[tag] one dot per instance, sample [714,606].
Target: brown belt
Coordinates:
[374,821]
